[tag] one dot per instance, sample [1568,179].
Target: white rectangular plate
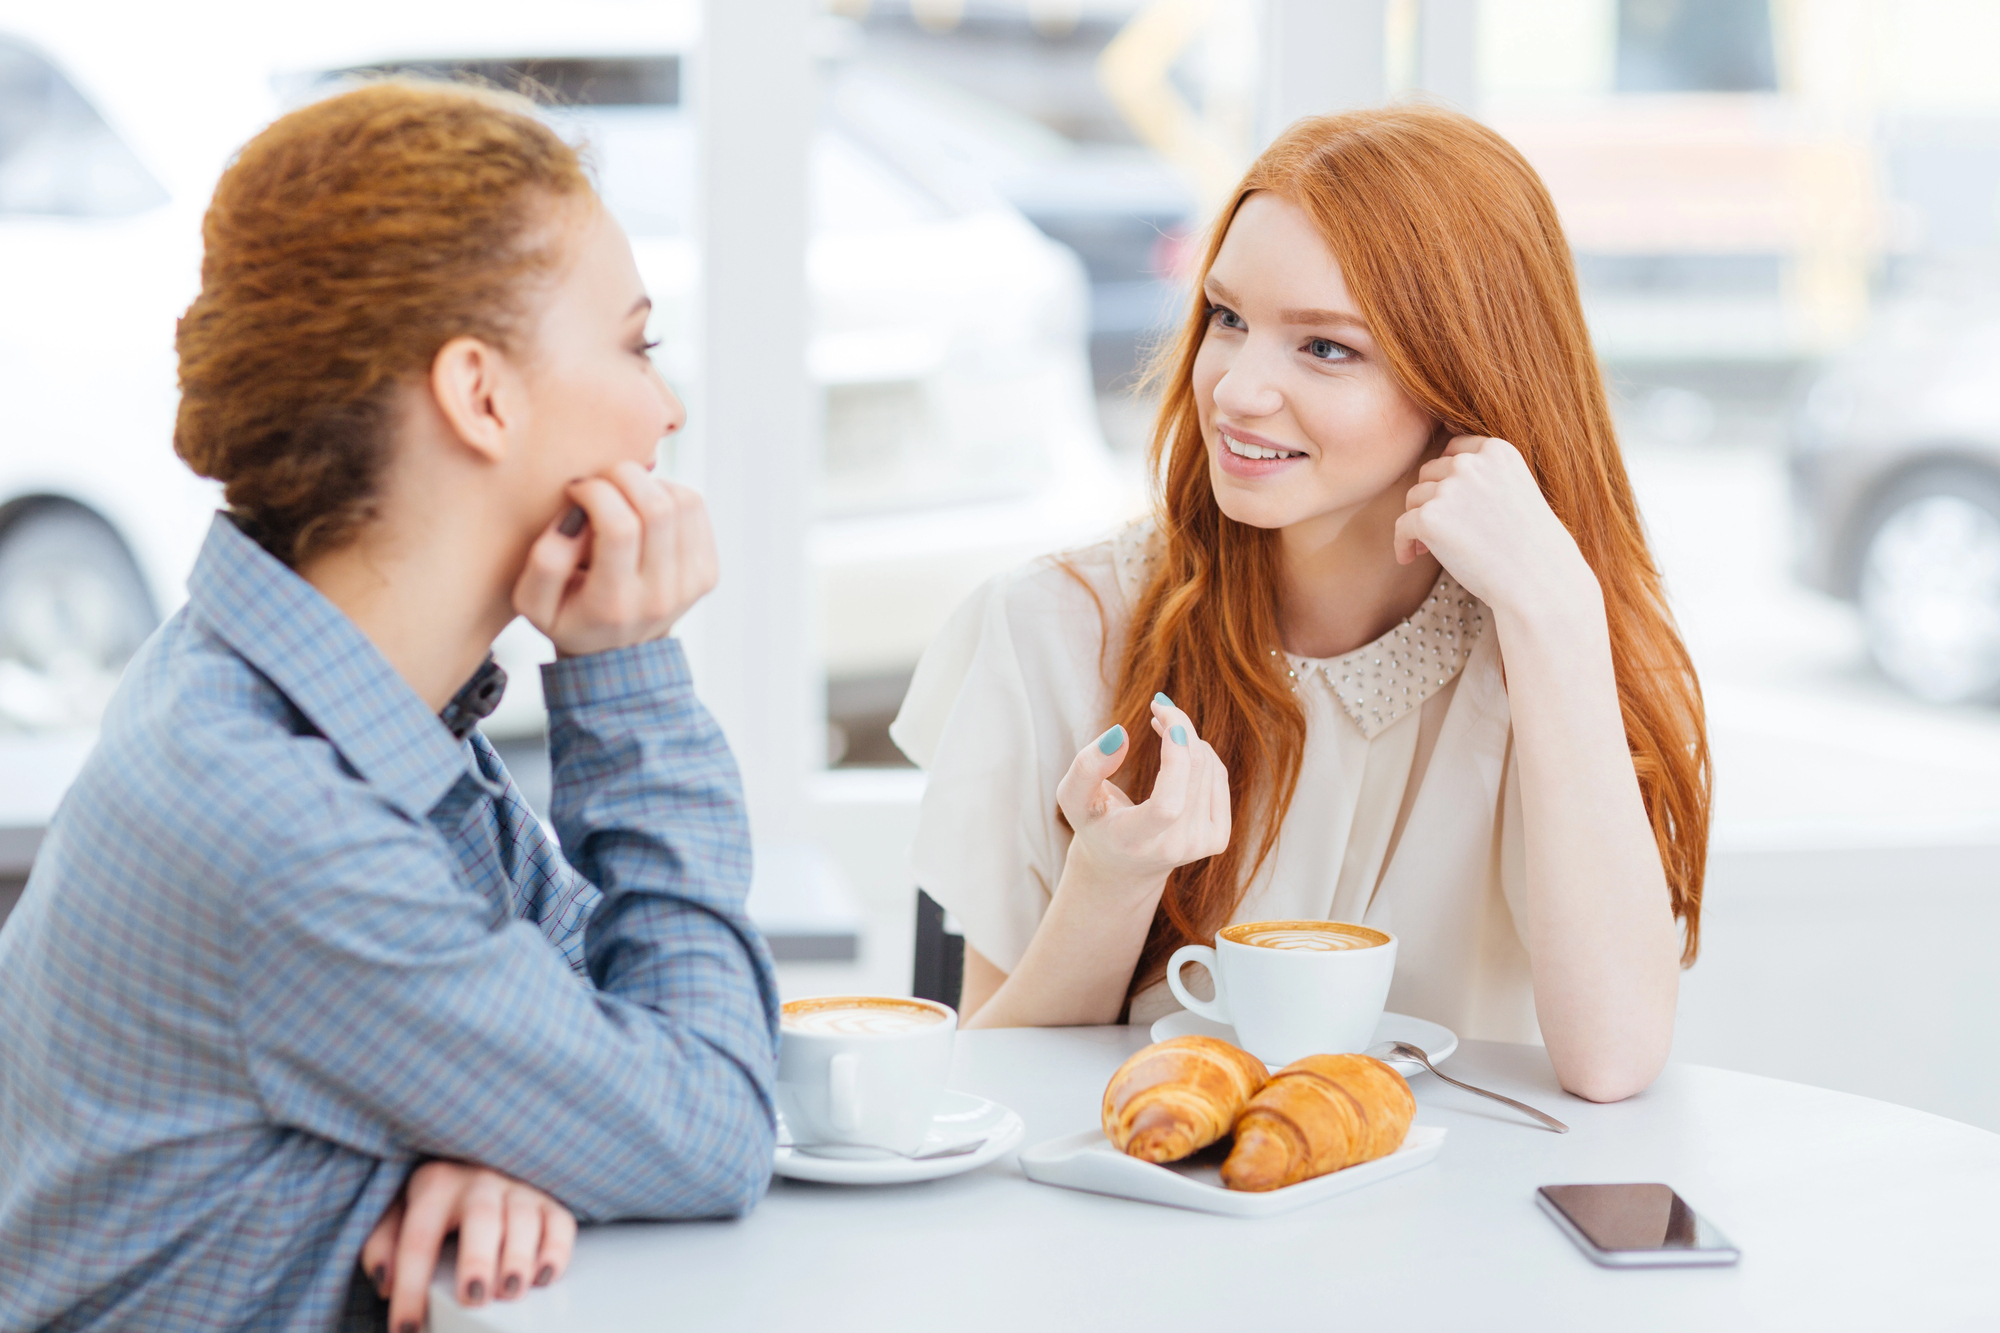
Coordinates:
[1087,1161]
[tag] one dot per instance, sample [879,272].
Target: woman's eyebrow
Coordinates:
[1320,318]
[1312,317]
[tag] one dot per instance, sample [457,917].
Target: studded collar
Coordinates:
[1376,684]
[1379,682]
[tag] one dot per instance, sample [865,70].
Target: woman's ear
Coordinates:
[1441,435]
[472,383]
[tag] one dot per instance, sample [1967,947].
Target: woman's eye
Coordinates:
[1326,349]
[1226,317]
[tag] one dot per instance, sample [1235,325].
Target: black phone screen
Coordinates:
[1628,1217]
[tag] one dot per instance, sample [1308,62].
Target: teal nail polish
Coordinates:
[1163,701]
[1179,733]
[1109,742]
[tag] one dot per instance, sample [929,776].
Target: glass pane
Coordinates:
[57,155]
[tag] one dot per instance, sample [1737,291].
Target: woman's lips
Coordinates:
[1237,465]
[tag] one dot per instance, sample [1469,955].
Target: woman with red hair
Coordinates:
[1393,628]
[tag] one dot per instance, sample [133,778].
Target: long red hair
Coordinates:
[1451,246]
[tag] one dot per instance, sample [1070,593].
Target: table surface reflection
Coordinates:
[1850,1213]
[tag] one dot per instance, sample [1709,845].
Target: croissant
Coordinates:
[1177,1096]
[1318,1114]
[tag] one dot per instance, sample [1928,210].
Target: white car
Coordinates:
[949,334]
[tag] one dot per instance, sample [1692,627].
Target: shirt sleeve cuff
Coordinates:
[640,671]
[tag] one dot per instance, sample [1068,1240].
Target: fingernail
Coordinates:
[1109,742]
[1163,701]
[475,1291]
[573,521]
[1179,733]
[511,1287]
[380,1274]
[408,1326]
[546,1276]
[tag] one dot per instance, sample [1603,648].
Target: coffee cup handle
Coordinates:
[1216,1009]
[843,1091]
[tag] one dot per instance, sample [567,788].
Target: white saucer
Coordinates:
[961,1118]
[1087,1161]
[1433,1039]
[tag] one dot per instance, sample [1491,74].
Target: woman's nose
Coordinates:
[676,411]
[1245,391]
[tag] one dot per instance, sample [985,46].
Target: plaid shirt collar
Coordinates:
[329,670]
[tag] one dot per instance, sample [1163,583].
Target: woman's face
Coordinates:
[1301,416]
[594,397]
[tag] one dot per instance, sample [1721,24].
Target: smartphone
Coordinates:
[1635,1226]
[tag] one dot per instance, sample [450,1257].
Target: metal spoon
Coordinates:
[1403,1050]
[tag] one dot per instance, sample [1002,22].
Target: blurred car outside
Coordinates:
[960,433]
[1895,472]
[1012,100]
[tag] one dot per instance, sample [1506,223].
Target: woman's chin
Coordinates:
[1258,506]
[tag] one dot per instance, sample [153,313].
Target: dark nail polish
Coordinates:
[379,1274]
[511,1287]
[546,1276]
[475,1291]
[408,1326]
[573,521]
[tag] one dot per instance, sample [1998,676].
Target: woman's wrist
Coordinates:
[1108,883]
[1565,605]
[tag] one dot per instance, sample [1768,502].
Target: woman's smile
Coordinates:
[1249,456]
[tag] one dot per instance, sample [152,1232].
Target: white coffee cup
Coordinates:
[1293,988]
[860,1075]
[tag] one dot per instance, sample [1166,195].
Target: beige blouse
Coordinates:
[1407,815]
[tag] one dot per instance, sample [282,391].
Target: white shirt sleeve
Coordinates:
[1006,695]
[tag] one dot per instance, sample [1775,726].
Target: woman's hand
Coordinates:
[1080,960]
[1185,819]
[1478,510]
[645,557]
[509,1235]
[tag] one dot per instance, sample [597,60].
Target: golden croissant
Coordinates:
[1316,1115]
[1175,1097]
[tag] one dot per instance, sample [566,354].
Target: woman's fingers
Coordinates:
[695,552]
[429,1216]
[481,1226]
[558,1242]
[521,1243]
[658,509]
[378,1252]
[1220,817]
[1169,798]
[1084,792]
[553,562]
[615,531]
[1410,530]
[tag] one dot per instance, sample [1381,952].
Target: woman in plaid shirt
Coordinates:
[300,985]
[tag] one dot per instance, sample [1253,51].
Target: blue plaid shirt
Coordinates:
[286,937]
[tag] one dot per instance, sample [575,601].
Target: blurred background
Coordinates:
[1786,219]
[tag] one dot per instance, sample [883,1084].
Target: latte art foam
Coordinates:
[1305,936]
[859,1017]
[1319,941]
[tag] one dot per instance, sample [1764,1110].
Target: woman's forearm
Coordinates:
[1079,964]
[1600,928]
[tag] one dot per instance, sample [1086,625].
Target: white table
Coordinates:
[1850,1214]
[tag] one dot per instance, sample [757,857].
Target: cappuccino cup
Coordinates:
[860,1075]
[1293,988]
